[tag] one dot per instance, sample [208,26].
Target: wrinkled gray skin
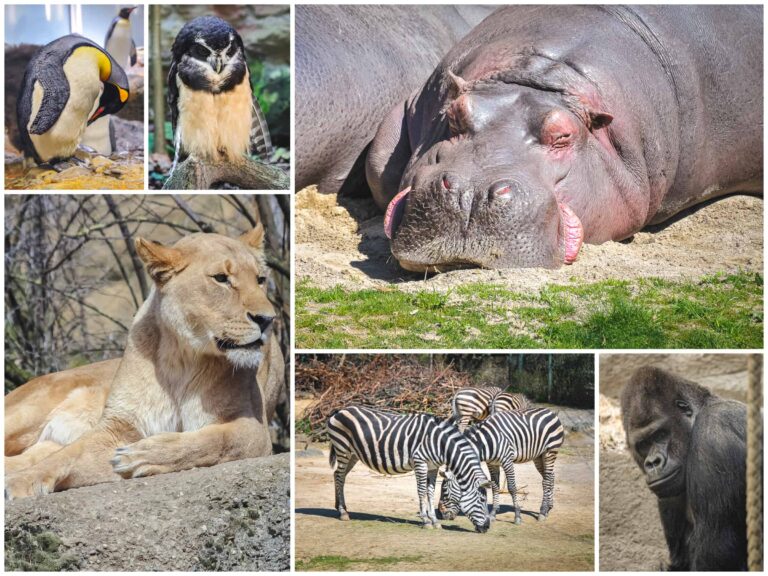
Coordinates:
[626,115]
[353,63]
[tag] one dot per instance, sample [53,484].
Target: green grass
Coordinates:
[341,563]
[719,311]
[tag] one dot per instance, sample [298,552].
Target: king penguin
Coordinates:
[118,42]
[67,84]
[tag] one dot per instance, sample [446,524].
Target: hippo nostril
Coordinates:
[447,184]
[501,188]
[262,321]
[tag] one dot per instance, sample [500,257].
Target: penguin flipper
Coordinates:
[55,97]
[134,58]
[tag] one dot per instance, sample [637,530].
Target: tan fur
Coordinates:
[216,126]
[85,87]
[175,400]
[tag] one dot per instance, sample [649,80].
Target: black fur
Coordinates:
[691,445]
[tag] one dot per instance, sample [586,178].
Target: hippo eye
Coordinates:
[561,141]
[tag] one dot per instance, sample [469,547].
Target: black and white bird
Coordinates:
[67,85]
[119,43]
[119,40]
[213,111]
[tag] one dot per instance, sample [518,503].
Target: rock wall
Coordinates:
[231,517]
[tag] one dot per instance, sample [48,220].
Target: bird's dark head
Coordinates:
[210,54]
[116,88]
[125,13]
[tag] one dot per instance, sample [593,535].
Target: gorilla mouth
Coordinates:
[224,345]
[663,481]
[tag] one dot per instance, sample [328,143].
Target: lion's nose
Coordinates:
[262,321]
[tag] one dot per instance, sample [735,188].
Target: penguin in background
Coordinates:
[68,84]
[100,135]
[119,39]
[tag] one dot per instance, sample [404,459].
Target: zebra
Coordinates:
[393,443]
[470,404]
[507,438]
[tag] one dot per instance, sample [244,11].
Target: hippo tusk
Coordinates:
[395,212]
[574,233]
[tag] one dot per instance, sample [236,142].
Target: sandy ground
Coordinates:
[631,536]
[384,523]
[342,243]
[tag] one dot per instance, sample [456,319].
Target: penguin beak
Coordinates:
[96,114]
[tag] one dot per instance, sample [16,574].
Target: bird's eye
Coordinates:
[199,51]
[232,50]
[221,278]
[261,280]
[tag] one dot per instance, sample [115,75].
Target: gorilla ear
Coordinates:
[161,262]
[254,238]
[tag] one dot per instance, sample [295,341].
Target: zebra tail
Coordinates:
[332,457]
[260,138]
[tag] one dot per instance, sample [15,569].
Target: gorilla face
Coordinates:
[659,411]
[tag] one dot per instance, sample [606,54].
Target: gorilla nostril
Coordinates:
[262,321]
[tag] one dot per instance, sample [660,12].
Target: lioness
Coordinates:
[196,386]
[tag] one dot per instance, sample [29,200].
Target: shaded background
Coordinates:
[265,30]
[631,536]
[73,280]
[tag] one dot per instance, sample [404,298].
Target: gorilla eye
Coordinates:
[261,280]
[684,407]
[221,278]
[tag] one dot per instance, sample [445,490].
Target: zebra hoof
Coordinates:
[344,516]
[542,517]
[437,526]
[427,526]
[518,521]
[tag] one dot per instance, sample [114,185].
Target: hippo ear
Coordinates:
[599,120]
[456,85]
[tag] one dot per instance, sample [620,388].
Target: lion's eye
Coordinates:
[221,278]
[261,280]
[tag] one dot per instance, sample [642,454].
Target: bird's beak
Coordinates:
[132,8]
[96,114]
[218,65]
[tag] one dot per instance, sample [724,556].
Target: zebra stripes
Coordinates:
[471,404]
[507,438]
[393,443]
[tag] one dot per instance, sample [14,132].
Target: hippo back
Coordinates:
[353,63]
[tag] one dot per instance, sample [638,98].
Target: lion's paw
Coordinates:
[26,483]
[142,458]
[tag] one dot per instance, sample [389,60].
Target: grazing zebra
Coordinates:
[393,443]
[507,438]
[470,404]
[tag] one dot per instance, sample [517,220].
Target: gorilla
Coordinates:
[691,446]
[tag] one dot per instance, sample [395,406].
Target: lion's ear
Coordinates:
[162,262]
[254,237]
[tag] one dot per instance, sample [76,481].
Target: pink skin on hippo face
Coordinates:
[505,186]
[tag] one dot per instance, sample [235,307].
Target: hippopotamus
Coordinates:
[549,126]
[353,63]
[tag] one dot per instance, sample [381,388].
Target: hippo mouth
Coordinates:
[571,229]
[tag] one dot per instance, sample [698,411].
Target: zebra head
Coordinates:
[473,502]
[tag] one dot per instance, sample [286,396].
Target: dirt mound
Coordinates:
[231,517]
[342,242]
